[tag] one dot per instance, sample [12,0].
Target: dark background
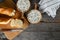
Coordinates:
[48,29]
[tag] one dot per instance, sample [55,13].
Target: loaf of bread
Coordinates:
[11,19]
[11,23]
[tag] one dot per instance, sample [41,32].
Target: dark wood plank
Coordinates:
[39,36]
[44,27]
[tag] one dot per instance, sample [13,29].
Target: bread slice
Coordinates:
[34,16]
[23,5]
[16,23]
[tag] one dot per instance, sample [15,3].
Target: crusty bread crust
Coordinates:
[5,22]
[7,11]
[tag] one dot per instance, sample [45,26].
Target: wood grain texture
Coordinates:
[11,35]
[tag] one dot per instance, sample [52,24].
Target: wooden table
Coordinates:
[48,25]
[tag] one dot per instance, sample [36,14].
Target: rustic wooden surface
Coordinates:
[48,29]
